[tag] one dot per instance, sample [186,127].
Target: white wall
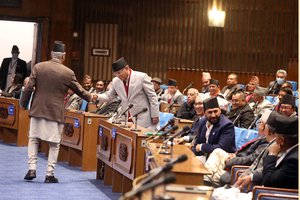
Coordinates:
[16,33]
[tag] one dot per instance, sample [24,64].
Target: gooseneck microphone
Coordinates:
[117,105]
[255,120]
[174,128]
[156,172]
[170,122]
[238,116]
[187,87]
[255,106]
[183,131]
[272,87]
[142,111]
[171,105]
[135,115]
[128,108]
[170,178]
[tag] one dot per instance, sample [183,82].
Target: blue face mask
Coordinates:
[280,81]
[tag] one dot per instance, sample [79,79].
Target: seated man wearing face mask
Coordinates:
[274,86]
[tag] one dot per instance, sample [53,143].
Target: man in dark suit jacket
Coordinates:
[215,131]
[10,67]
[231,87]
[280,166]
[241,113]
[255,174]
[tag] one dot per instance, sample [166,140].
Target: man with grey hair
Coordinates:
[186,110]
[259,103]
[274,86]
[51,80]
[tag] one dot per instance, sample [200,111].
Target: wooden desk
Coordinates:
[14,122]
[120,154]
[79,140]
[164,107]
[182,122]
[147,195]
[190,172]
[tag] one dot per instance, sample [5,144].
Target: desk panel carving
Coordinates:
[123,161]
[7,113]
[72,133]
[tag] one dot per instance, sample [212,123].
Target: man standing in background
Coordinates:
[10,67]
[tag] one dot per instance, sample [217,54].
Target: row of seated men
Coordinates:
[240,106]
[212,133]
[272,157]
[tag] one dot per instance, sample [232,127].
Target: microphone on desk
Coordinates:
[255,106]
[173,128]
[273,86]
[142,111]
[179,159]
[255,120]
[170,178]
[114,114]
[187,87]
[126,110]
[117,105]
[170,122]
[184,130]
[238,116]
[156,172]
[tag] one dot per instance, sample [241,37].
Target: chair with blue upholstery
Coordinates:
[242,86]
[236,171]
[243,136]
[296,94]
[273,99]
[184,98]
[271,193]
[163,86]
[84,105]
[294,84]
[164,118]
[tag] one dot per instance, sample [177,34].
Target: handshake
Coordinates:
[94,97]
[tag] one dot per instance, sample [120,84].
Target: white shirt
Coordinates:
[11,73]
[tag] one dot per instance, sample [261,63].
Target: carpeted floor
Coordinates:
[73,183]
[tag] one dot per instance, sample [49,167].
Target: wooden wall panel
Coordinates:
[159,35]
[102,36]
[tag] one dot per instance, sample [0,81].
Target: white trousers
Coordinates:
[215,165]
[33,145]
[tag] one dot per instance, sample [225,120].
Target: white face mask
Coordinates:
[280,81]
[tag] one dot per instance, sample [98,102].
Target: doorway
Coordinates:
[20,33]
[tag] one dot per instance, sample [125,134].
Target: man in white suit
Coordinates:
[133,87]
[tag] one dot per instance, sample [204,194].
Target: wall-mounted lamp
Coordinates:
[216,18]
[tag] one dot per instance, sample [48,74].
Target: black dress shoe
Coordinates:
[31,174]
[51,179]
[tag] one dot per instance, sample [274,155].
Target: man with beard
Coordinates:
[215,131]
